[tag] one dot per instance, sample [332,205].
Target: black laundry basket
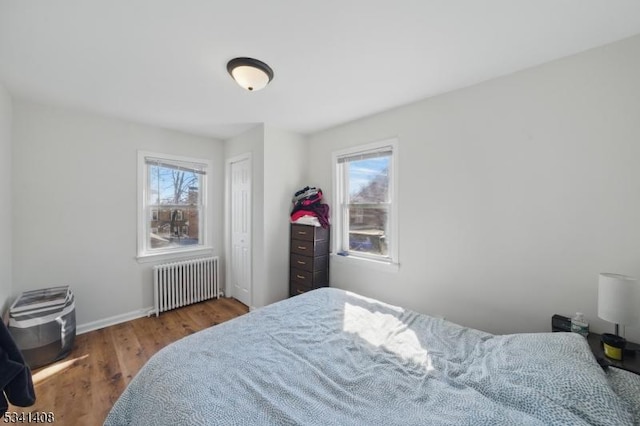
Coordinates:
[43,324]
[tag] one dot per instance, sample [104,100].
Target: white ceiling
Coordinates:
[163,62]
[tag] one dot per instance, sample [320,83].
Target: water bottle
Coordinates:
[579,325]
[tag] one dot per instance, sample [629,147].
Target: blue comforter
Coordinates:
[330,357]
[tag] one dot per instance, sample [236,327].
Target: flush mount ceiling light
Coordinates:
[250,73]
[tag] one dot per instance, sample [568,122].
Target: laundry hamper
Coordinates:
[43,324]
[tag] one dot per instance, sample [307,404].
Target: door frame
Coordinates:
[227,222]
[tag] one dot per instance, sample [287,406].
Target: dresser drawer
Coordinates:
[299,261]
[304,278]
[302,232]
[296,289]
[309,248]
[309,233]
[308,263]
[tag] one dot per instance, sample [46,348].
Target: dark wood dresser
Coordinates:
[309,259]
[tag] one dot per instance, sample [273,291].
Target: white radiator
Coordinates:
[182,283]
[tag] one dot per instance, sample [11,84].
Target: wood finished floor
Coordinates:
[81,389]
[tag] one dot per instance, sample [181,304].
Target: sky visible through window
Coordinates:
[363,173]
[174,220]
[164,187]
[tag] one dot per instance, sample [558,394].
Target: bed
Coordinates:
[330,357]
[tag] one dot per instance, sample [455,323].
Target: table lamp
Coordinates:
[619,303]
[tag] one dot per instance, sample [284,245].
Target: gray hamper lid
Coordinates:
[40,306]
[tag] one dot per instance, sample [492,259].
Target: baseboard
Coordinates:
[116,319]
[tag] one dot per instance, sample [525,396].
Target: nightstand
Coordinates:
[630,358]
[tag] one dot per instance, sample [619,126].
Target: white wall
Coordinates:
[286,162]
[5,198]
[74,206]
[514,193]
[278,165]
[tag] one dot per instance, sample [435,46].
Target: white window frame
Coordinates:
[340,216]
[145,253]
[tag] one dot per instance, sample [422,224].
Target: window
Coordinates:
[365,216]
[172,204]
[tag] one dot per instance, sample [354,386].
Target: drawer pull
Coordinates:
[301,248]
[302,232]
[300,291]
[300,276]
[301,262]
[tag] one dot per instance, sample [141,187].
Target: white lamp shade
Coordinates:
[251,74]
[618,299]
[250,78]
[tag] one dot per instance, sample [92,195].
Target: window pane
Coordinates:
[368,229]
[168,186]
[369,180]
[174,200]
[174,227]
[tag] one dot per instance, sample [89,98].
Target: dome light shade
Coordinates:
[249,73]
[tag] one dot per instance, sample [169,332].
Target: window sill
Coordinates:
[378,265]
[175,255]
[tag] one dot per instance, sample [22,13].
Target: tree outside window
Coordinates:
[366,223]
[174,201]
